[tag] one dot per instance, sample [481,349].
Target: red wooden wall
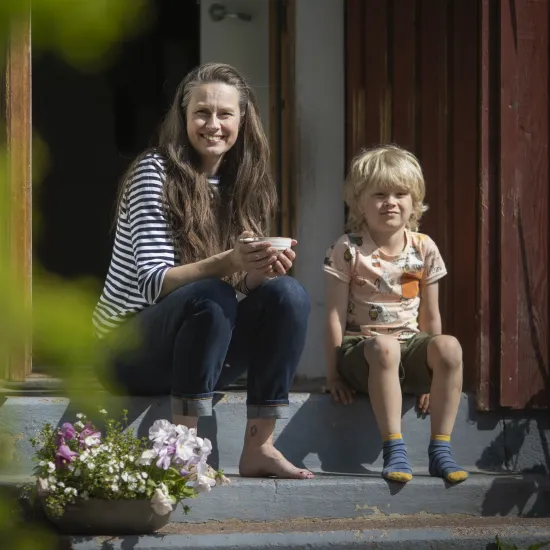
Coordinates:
[513,228]
[464,85]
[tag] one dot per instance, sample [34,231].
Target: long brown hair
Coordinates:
[203,223]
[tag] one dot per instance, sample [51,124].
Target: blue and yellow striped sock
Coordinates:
[442,463]
[396,463]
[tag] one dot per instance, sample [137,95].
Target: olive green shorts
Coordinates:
[414,374]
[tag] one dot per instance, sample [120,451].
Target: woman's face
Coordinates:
[213,120]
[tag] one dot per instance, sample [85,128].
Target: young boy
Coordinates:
[383,325]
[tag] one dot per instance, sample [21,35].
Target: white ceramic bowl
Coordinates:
[279,243]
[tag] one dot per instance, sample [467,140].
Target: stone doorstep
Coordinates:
[318,434]
[348,497]
[467,537]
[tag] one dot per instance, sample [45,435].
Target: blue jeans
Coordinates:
[200,338]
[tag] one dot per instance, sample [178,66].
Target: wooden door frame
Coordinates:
[282,111]
[18,105]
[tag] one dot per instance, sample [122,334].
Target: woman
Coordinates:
[185,210]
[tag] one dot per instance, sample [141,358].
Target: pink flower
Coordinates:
[64,456]
[68,431]
[165,457]
[89,436]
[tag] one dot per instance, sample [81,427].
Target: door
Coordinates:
[412,79]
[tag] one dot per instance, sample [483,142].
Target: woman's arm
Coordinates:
[152,246]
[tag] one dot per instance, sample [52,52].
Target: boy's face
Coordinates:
[387,210]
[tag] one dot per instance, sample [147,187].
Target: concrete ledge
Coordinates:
[394,539]
[348,497]
[352,497]
[319,435]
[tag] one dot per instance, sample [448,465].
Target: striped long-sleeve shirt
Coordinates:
[143,249]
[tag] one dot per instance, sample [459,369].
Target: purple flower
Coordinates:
[64,456]
[165,457]
[89,436]
[68,431]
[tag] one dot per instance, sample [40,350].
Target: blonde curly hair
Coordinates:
[384,167]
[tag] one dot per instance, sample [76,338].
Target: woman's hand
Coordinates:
[252,256]
[285,259]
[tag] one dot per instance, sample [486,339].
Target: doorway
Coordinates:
[94,124]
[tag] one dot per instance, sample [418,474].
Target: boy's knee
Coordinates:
[446,350]
[382,350]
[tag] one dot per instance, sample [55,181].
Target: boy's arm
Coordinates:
[335,323]
[429,316]
[429,320]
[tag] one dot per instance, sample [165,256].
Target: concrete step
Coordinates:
[347,497]
[419,532]
[343,512]
[318,435]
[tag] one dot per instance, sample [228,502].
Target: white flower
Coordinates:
[77,472]
[185,447]
[68,490]
[161,502]
[91,441]
[184,430]
[163,432]
[222,480]
[91,465]
[78,425]
[144,475]
[43,484]
[203,481]
[147,457]
[114,488]
[102,411]
[110,469]
[132,486]
[141,489]
[80,416]
[131,458]
[124,476]
[60,484]
[42,463]
[204,445]
[51,467]
[204,484]
[121,464]
[52,480]
[85,455]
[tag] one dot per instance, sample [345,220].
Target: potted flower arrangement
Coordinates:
[117,483]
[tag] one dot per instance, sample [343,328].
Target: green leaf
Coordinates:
[503,546]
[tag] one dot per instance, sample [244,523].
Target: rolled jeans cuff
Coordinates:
[185,406]
[267,411]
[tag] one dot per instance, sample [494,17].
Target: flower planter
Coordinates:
[108,517]
[90,483]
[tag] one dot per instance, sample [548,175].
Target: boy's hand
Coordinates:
[341,392]
[424,403]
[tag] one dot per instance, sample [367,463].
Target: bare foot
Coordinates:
[267,461]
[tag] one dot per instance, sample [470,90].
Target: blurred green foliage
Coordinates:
[85,34]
